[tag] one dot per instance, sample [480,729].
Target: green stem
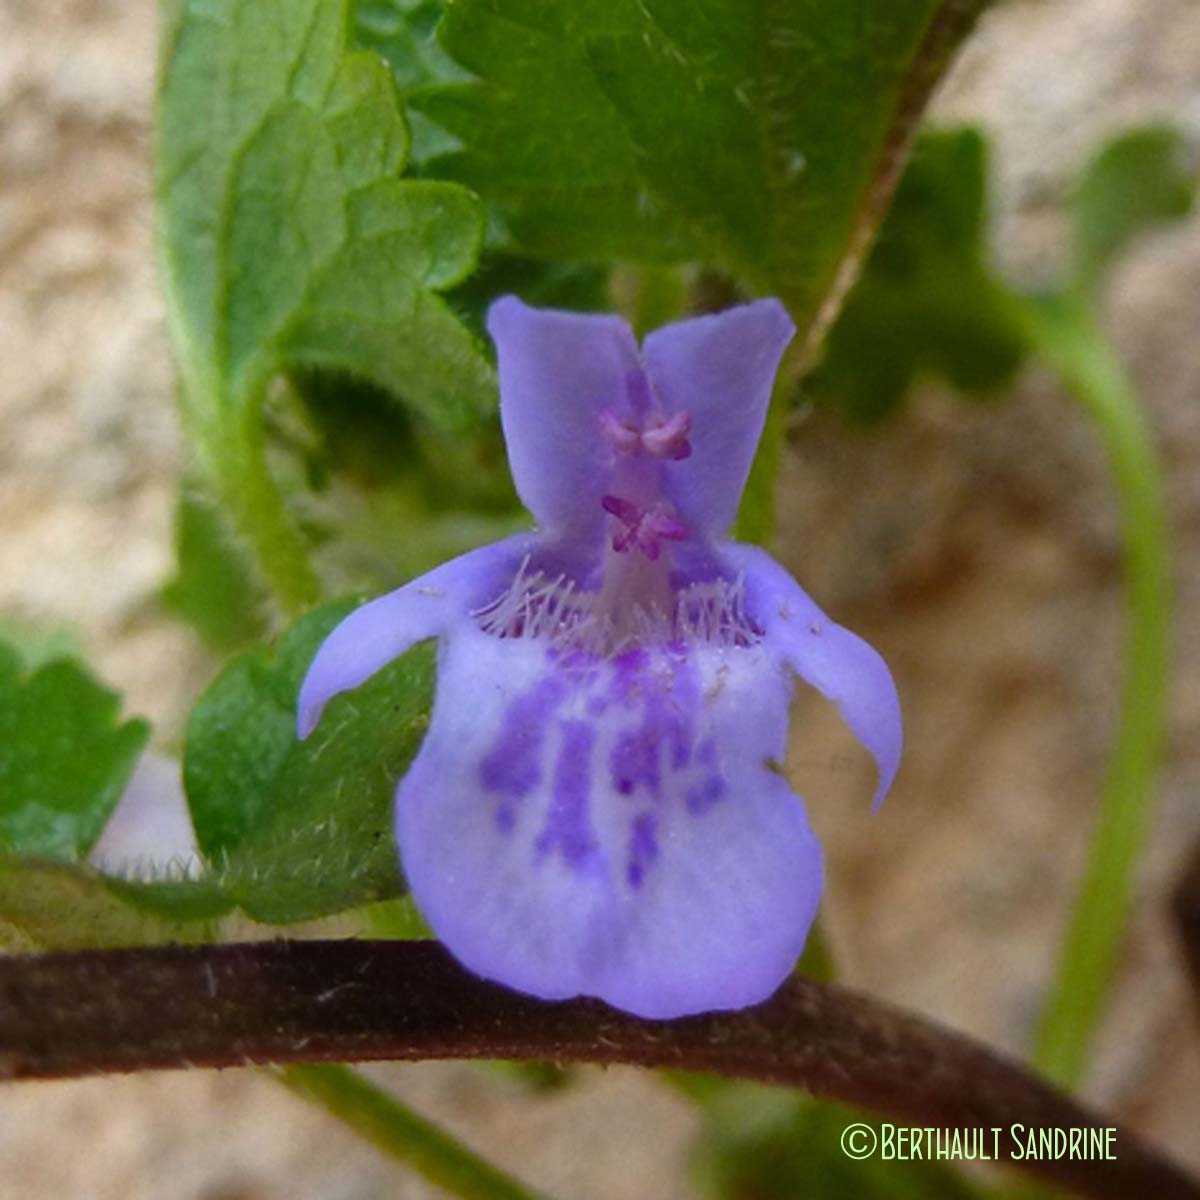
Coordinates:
[259,514]
[1067,335]
[401,1133]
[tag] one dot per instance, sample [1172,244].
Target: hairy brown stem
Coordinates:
[216,1006]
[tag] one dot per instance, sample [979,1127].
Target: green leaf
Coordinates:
[927,303]
[758,136]
[64,757]
[293,839]
[212,588]
[404,33]
[289,239]
[297,830]
[1142,178]
[767,1144]
[541,140]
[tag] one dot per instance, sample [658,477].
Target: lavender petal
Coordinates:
[559,374]
[720,369]
[613,828]
[378,632]
[838,663]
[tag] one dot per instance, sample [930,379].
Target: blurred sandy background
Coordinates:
[976,547]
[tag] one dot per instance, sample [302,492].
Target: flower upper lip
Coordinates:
[575,390]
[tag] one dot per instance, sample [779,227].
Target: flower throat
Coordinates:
[638,601]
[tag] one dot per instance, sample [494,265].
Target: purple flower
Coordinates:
[598,807]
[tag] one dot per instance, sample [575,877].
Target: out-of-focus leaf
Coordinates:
[1141,178]
[297,830]
[69,906]
[64,757]
[35,645]
[542,284]
[388,496]
[212,588]
[397,919]
[927,303]
[372,443]
[363,435]
[766,1144]
[63,906]
[534,1077]
[747,133]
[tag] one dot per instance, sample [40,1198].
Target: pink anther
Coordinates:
[622,432]
[661,437]
[668,437]
[640,527]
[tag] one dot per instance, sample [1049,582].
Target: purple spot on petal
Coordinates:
[664,693]
[634,761]
[568,828]
[628,671]
[513,766]
[680,732]
[703,795]
[643,847]
[675,709]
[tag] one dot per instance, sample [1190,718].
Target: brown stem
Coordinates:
[216,1006]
